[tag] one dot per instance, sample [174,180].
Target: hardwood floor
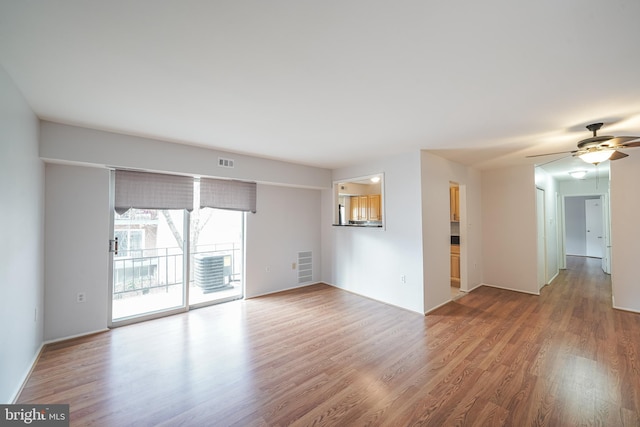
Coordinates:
[321,356]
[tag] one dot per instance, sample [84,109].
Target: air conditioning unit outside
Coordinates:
[212,272]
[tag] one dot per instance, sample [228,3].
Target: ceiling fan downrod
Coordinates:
[594,127]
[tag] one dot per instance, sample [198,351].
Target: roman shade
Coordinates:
[143,190]
[228,194]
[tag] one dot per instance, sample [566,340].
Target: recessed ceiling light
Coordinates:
[375,179]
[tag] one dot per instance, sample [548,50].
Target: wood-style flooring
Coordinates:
[322,356]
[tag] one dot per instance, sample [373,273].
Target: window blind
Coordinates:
[143,190]
[227,194]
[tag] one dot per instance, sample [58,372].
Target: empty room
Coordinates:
[311,213]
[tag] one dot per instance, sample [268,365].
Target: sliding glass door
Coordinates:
[149,264]
[217,256]
[184,249]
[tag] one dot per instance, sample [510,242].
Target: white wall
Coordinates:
[287,221]
[288,218]
[22,248]
[625,232]
[76,247]
[437,173]
[550,186]
[63,143]
[509,238]
[371,261]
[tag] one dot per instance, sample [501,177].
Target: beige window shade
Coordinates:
[143,190]
[227,194]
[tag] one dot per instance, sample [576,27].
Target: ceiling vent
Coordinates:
[225,163]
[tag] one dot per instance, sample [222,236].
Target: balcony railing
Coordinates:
[143,271]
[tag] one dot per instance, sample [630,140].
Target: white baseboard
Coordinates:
[70,337]
[437,307]
[36,357]
[27,374]
[371,298]
[511,289]
[631,310]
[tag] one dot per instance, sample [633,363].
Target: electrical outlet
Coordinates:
[81,297]
[267,269]
[403,279]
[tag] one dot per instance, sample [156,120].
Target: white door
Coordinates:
[594,228]
[542,241]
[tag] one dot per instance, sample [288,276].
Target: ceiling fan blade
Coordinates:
[635,142]
[618,155]
[551,154]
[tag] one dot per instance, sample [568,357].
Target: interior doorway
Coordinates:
[542,239]
[455,216]
[586,228]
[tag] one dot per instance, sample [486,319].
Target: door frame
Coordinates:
[606,224]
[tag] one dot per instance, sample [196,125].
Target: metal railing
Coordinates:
[143,271]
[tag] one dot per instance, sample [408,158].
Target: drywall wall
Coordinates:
[625,229]
[372,261]
[287,221]
[77,203]
[22,248]
[76,248]
[437,174]
[64,143]
[509,228]
[550,186]
[583,187]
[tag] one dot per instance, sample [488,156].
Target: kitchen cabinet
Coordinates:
[366,208]
[355,208]
[375,213]
[455,265]
[454,199]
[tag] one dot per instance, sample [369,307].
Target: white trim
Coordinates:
[511,289]
[437,307]
[475,287]
[631,310]
[70,337]
[367,297]
[554,277]
[27,375]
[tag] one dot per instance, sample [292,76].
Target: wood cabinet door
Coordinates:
[375,213]
[454,199]
[355,208]
[364,208]
[455,266]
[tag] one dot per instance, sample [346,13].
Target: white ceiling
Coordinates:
[331,83]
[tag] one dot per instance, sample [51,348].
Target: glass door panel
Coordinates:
[148,266]
[217,256]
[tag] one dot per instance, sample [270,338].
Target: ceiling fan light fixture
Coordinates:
[596,156]
[578,174]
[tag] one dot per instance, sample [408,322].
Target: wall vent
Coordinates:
[225,163]
[305,267]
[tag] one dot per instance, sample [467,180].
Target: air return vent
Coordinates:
[305,267]
[225,163]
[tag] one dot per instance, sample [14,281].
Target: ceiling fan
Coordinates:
[597,149]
